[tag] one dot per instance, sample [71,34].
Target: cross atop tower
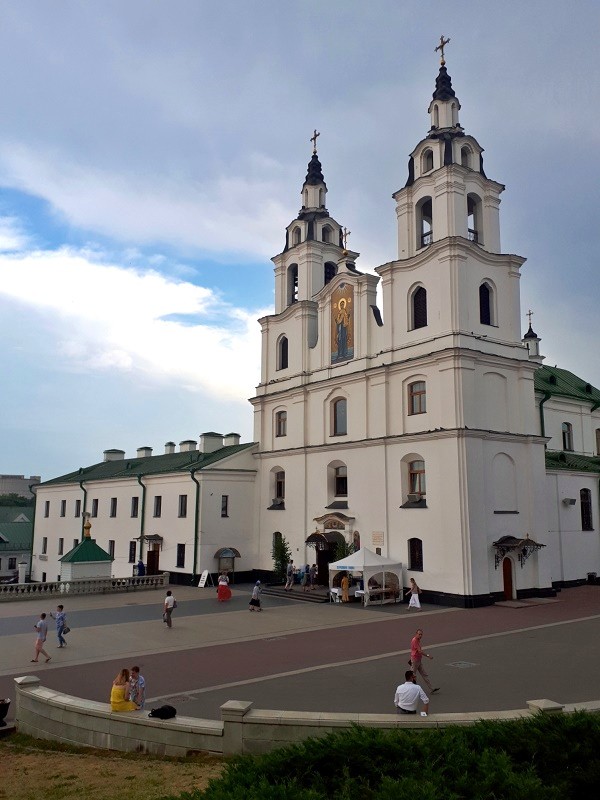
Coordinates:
[530,315]
[313,139]
[440,47]
[345,234]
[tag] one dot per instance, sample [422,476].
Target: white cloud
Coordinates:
[107,317]
[12,236]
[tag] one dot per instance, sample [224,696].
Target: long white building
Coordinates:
[426,429]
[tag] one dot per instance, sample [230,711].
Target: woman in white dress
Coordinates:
[414,593]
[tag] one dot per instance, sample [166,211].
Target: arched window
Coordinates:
[485,304]
[567,436]
[436,116]
[321,198]
[424,222]
[277,539]
[281,423]
[297,234]
[339,409]
[474,218]
[415,555]
[280,485]
[329,271]
[427,160]
[417,397]
[292,284]
[585,500]
[454,114]
[326,233]
[419,308]
[305,201]
[282,353]
[341,481]
[416,478]
[465,156]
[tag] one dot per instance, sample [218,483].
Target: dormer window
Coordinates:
[427,160]
[465,156]
[297,235]
[326,233]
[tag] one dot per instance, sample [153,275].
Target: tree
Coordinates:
[343,549]
[13,499]
[281,556]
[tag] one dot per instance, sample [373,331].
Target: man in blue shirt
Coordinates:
[61,621]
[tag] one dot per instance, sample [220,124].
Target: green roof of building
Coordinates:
[86,551]
[150,465]
[557,459]
[19,535]
[562,383]
[12,513]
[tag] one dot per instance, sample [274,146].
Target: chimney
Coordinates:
[231,439]
[169,448]
[187,445]
[211,441]
[144,452]
[114,455]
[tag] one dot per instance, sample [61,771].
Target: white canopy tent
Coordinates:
[382,577]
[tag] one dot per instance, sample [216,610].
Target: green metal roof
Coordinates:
[556,459]
[150,465]
[87,550]
[12,513]
[19,535]
[562,383]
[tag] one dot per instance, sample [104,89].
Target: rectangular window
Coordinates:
[77,508]
[44,545]
[157,505]
[95,508]
[281,423]
[224,505]
[340,417]
[180,555]
[132,548]
[341,482]
[12,563]
[135,505]
[61,546]
[43,577]
[63,508]
[113,506]
[280,485]
[47,508]
[75,543]
[417,398]
[182,505]
[111,547]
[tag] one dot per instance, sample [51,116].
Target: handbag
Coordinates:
[66,630]
[174,603]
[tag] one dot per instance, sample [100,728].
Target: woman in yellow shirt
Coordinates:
[119,692]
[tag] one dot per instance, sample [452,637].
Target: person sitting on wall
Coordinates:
[408,695]
[119,692]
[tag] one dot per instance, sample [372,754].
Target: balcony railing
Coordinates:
[33,591]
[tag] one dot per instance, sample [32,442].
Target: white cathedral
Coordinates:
[427,430]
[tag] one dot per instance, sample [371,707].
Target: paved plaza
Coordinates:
[310,657]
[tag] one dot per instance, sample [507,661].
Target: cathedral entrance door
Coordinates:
[507,578]
[152,557]
[324,557]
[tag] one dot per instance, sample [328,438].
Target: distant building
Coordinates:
[16,538]
[18,484]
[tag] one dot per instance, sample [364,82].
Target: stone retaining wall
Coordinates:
[60,589]
[46,714]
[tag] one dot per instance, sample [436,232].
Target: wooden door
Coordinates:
[507,579]
[152,562]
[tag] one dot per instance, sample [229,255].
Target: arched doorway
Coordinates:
[325,544]
[507,578]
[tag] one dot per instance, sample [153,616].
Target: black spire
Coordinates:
[443,85]
[531,334]
[315,171]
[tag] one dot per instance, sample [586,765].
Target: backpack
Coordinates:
[163,712]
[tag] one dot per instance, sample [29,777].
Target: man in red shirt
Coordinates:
[416,656]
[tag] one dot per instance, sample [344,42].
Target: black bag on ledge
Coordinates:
[163,712]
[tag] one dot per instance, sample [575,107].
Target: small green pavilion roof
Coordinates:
[86,551]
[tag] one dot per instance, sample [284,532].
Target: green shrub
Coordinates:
[546,757]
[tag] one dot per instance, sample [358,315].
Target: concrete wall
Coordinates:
[46,714]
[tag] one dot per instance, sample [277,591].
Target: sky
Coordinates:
[152,153]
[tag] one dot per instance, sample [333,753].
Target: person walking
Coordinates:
[289,573]
[414,593]
[408,695]
[41,628]
[223,590]
[169,605]
[255,599]
[312,572]
[305,579]
[61,623]
[137,687]
[416,657]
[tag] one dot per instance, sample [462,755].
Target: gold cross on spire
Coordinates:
[345,234]
[440,47]
[313,139]
[530,315]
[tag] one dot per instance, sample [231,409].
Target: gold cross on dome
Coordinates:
[313,139]
[440,47]
[345,234]
[530,315]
